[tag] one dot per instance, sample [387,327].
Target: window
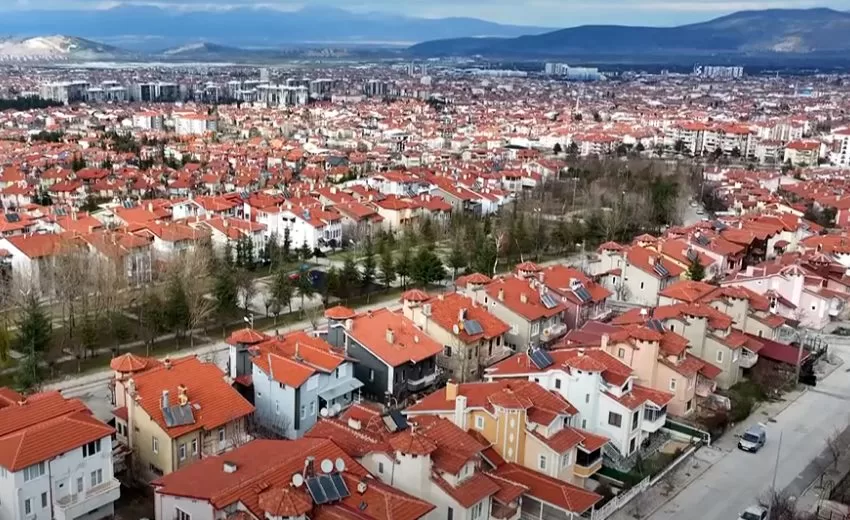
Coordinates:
[761,333]
[194,446]
[479,422]
[276,408]
[79,484]
[720,356]
[476,510]
[313,408]
[182,451]
[586,398]
[91,448]
[447,351]
[451,514]
[615,419]
[557,383]
[689,405]
[584,424]
[735,355]
[221,435]
[96,478]
[672,328]
[635,419]
[303,412]
[381,468]
[43,500]
[33,472]
[541,462]
[632,445]
[179,514]
[641,285]
[154,444]
[371,375]
[565,460]
[621,352]
[672,384]
[28,506]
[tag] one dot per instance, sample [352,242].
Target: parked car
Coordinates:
[753,439]
[753,513]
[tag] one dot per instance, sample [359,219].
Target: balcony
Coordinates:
[417,385]
[499,353]
[75,506]
[553,332]
[653,419]
[705,387]
[748,359]
[587,464]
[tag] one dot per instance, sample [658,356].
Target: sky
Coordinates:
[545,13]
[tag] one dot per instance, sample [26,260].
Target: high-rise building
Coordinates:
[264,75]
[718,71]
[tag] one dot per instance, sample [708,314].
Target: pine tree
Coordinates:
[34,327]
[404,263]
[304,288]
[333,283]
[457,257]
[286,249]
[29,375]
[484,255]
[282,290]
[388,274]
[224,292]
[368,264]
[305,252]
[176,311]
[271,253]
[248,252]
[5,344]
[427,267]
[696,271]
[349,277]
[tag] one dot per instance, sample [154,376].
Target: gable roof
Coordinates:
[374,330]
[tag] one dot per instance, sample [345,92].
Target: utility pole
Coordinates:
[773,484]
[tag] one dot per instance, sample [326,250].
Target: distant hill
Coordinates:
[148,28]
[788,31]
[56,48]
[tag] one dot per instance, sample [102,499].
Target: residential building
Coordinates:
[585,299]
[55,459]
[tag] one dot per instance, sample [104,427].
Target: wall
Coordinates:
[377,383]
[648,294]
[145,428]
[165,507]
[8,504]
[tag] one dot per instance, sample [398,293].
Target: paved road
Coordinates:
[738,479]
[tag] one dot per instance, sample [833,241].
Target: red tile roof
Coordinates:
[374,330]
[552,491]
[454,309]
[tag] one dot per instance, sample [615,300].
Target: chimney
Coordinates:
[308,466]
[184,398]
[361,486]
[523,297]
[165,402]
[651,259]
[167,363]
[131,387]
[451,390]
[581,352]
[229,467]
[390,336]
[501,294]
[542,277]
[461,315]
[354,424]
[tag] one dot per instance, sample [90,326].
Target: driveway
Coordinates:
[738,479]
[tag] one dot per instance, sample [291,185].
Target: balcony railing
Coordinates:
[499,353]
[589,470]
[748,359]
[415,385]
[553,332]
[79,504]
[653,419]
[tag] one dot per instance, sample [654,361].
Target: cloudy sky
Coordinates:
[549,13]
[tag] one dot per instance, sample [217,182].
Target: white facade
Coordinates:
[78,484]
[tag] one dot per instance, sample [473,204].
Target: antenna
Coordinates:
[327,466]
[339,464]
[297,480]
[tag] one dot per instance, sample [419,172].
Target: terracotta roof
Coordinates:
[129,363]
[415,295]
[522,297]
[339,313]
[455,309]
[393,338]
[549,490]
[246,336]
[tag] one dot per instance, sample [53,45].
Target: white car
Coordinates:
[753,513]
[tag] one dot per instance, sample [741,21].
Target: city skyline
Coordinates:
[543,13]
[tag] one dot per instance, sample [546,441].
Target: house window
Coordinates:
[371,375]
[179,514]
[641,285]
[33,472]
[303,411]
[720,356]
[632,444]
[43,500]
[313,408]
[672,384]
[735,355]
[557,383]
[761,333]
[154,444]
[689,405]
[182,451]
[565,460]
[541,462]
[450,515]
[479,422]
[381,468]
[635,419]
[621,352]
[79,484]
[535,328]
[476,510]
[28,506]
[584,424]
[194,446]
[221,435]
[586,398]
[96,478]
[276,408]
[615,419]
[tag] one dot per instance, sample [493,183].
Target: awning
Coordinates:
[343,388]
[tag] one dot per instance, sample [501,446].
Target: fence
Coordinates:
[688,431]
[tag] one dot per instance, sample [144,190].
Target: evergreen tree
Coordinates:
[349,277]
[228,255]
[29,375]
[271,253]
[176,310]
[427,267]
[457,257]
[240,253]
[388,273]
[557,149]
[427,232]
[286,248]
[282,290]
[696,271]
[305,252]
[224,292]
[368,264]
[404,264]
[5,344]
[484,255]
[304,288]
[248,252]
[78,163]
[333,283]
[34,327]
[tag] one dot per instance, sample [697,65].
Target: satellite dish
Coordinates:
[337,408]
[297,480]
[340,464]
[323,412]
[455,328]
[327,466]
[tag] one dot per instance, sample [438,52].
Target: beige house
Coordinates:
[177,412]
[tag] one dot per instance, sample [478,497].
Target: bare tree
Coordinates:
[193,268]
[835,447]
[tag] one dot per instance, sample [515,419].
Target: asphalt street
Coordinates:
[738,479]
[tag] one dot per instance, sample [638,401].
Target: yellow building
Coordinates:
[524,424]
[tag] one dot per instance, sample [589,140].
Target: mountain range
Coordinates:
[786,32]
[149,28]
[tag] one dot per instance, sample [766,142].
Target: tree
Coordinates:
[304,288]
[176,306]
[286,248]
[78,163]
[333,283]
[427,267]
[34,327]
[557,149]
[29,375]
[457,257]
[696,271]
[151,318]
[271,253]
[246,290]
[735,153]
[679,146]
[225,293]
[572,149]
[368,264]
[349,277]
[388,273]
[426,230]
[404,264]
[485,255]
[305,252]
[281,291]
[5,344]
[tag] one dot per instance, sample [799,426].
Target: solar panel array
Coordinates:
[128,204]
[178,415]
[60,212]
[548,300]
[13,217]
[720,226]
[655,325]
[541,358]
[582,293]
[692,255]
[472,327]
[703,240]
[325,489]
[660,269]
